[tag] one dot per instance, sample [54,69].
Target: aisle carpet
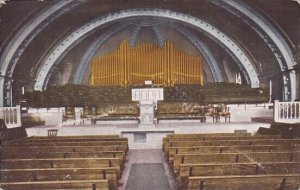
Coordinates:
[147,177]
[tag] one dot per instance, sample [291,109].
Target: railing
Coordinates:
[286,112]
[11,116]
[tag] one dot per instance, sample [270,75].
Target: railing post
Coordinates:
[286,112]
[276,110]
[11,116]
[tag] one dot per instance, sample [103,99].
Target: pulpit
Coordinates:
[147,98]
[146,112]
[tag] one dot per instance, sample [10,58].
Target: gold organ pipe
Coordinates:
[137,59]
[196,68]
[145,59]
[153,64]
[150,50]
[201,72]
[100,71]
[171,63]
[107,71]
[193,70]
[113,73]
[139,64]
[186,69]
[181,69]
[110,72]
[130,63]
[148,61]
[159,67]
[134,65]
[104,72]
[113,77]
[166,65]
[167,56]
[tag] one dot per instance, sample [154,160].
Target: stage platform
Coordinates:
[147,137]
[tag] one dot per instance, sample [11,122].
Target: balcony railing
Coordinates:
[287,112]
[11,116]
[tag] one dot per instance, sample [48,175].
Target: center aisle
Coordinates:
[146,169]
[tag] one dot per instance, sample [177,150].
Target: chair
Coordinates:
[52,132]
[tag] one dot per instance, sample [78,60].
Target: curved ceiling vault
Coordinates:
[201,30]
[84,30]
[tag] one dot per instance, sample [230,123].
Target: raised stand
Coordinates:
[146,118]
[147,98]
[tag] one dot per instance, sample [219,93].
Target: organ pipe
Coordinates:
[133,65]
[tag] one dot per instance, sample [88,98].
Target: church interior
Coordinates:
[150,95]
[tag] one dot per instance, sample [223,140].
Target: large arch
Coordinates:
[197,23]
[272,37]
[22,39]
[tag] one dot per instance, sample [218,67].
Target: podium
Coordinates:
[147,98]
[146,112]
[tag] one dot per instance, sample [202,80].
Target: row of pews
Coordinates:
[74,162]
[233,161]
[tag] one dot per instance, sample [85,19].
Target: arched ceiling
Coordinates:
[264,34]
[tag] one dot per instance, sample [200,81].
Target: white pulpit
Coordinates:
[146,112]
[147,98]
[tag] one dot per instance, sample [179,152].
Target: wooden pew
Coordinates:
[97,154]
[229,149]
[243,182]
[54,143]
[76,137]
[234,158]
[207,135]
[66,139]
[223,169]
[168,141]
[64,149]
[50,161]
[232,142]
[61,174]
[62,163]
[205,138]
[215,136]
[100,184]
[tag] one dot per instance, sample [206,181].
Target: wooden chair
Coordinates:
[52,132]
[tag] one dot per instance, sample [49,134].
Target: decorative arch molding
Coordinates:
[272,38]
[166,14]
[13,51]
[83,65]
